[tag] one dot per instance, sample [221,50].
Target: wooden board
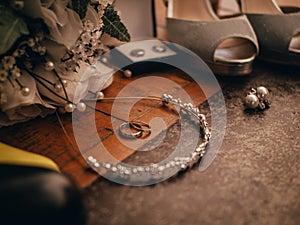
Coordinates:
[46,136]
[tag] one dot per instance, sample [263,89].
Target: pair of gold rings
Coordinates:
[135,129]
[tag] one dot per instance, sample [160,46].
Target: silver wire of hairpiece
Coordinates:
[181,163]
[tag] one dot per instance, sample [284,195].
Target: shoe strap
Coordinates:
[277,30]
[206,36]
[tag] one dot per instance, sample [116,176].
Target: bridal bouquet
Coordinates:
[47,48]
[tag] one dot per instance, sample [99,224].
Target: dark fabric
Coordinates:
[35,196]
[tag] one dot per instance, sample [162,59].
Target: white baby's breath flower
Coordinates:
[3,75]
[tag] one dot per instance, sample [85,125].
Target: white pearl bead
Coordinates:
[202,117]
[57,87]
[69,107]
[65,83]
[251,101]
[262,93]
[104,60]
[100,95]
[25,91]
[81,107]
[16,74]
[127,73]
[49,66]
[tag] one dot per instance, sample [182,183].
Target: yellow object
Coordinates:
[13,156]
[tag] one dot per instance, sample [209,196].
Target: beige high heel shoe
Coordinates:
[277,26]
[229,46]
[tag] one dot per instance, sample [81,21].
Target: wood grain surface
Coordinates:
[46,136]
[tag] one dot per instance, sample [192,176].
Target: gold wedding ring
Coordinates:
[135,129]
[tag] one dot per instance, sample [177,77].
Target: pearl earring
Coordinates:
[257,98]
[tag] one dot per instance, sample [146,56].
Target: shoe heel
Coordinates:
[231,70]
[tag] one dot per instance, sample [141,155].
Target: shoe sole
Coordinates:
[231,69]
[291,59]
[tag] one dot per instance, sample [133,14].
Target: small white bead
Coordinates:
[25,91]
[97,165]
[81,107]
[127,73]
[69,107]
[161,168]
[57,87]
[104,60]
[16,74]
[140,169]
[127,172]
[202,117]
[262,93]
[194,155]
[65,83]
[198,149]
[107,166]
[90,158]
[183,167]
[49,66]
[251,101]
[99,95]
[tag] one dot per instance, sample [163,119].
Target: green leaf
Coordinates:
[113,26]
[80,6]
[12,27]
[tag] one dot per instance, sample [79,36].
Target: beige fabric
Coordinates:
[260,7]
[191,10]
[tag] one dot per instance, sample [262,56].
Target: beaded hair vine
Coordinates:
[139,129]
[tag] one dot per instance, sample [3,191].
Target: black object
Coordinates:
[37,196]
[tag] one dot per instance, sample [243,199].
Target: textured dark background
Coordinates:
[254,179]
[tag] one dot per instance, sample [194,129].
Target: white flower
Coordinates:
[65,28]
[3,75]
[64,24]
